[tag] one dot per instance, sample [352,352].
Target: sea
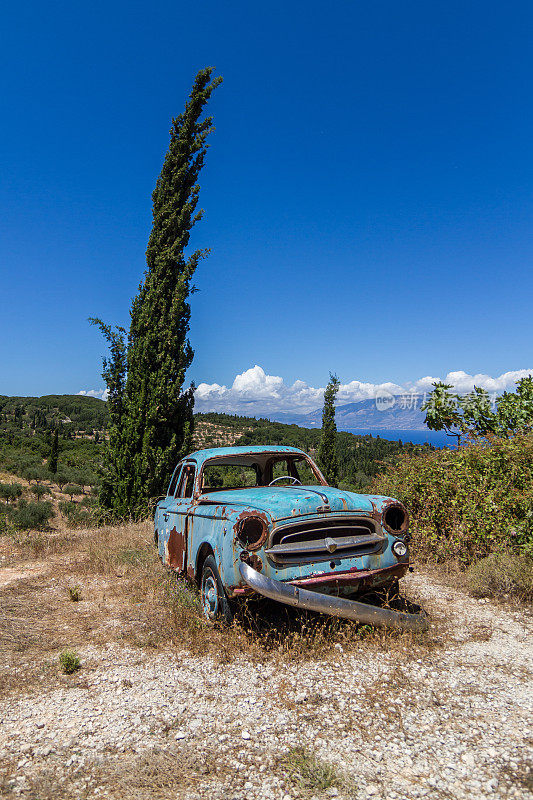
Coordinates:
[436,438]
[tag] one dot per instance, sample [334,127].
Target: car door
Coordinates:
[162,513]
[178,508]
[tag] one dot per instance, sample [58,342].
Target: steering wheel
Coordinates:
[294,481]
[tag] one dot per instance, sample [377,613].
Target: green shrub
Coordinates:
[466,503]
[36,473]
[62,477]
[501,574]
[69,661]
[4,520]
[307,772]
[72,489]
[75,594]
[34,516]
[85,477]
[39,490]
[78,515]
[10,491]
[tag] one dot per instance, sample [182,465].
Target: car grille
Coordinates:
[322,539]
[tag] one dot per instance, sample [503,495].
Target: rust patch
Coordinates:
[361,579]
[190,572]
[252,514]
[375,513]
[176,548]
[252,559]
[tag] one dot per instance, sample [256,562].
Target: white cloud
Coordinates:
[254,392]
[255,384]
[463,382]
[100,393]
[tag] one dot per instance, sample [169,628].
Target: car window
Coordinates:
[186,484]
[231,476]
[280,468]
[304,472]
[294,467]
[174,481]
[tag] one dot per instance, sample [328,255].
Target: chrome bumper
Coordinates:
[328,604]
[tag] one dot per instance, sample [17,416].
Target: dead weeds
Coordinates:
[155,775]
[309,774]
[126,596]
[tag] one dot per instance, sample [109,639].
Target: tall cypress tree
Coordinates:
[327,451]
[54,453]
[151,414]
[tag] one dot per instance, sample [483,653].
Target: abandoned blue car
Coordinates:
[245,520]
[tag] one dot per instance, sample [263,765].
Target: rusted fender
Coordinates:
[327,604]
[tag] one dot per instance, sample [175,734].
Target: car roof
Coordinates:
[200,456]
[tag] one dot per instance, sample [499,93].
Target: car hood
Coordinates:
[281,502]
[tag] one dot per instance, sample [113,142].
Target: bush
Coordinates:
[85,477]
[79,515]
[38,473]
[306,771]
[501,575]
[4,520]
[468,503]
[39,490]
[75,594]
[34,516]
[69,661]
[72,489]
[61,478]
[10,491]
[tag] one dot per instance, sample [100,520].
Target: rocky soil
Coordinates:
[449,719]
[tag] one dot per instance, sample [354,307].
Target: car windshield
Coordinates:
[260,470]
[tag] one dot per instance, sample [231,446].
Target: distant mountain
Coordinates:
[364,415]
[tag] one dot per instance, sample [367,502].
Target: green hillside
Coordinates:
[72,411]
[27,426]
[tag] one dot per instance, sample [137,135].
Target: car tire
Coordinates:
[215,604]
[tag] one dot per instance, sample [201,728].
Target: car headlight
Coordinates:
[399,548]
[395,518]
[251,530]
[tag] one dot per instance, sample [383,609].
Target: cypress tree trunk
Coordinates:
[151,414]
[327,452]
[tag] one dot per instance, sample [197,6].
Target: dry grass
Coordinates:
[501,575]
[29,545]
[154,775]
[126,596]
[309,774]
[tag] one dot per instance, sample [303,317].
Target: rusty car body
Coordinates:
[245,520]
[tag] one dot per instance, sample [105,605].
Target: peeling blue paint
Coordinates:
[210,521]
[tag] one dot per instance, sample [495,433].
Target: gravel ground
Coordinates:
[450,721]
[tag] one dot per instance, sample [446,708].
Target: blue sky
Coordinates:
[367,190]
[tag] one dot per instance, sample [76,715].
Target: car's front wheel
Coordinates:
[215,604]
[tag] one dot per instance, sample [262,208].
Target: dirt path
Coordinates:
[12,574]
[446,719]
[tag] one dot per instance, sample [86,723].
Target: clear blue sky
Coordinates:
[368,190]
